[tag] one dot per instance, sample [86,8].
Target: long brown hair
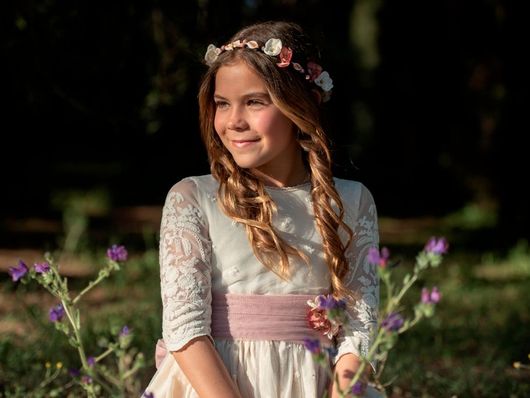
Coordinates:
[242,196]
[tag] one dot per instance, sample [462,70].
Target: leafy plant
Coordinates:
[391,323]
[97,374]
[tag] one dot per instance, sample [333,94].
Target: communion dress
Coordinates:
[206,257]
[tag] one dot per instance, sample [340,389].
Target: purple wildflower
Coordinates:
[56,313]
[393,322]
[437,246]
[18,271]
[432,297]
[125,331]
[148,395]
[91,361]
[378,258]
[41,268]
[436,296]
[312,345]
[74,372]
[328,302]
[358,388]
[117,253]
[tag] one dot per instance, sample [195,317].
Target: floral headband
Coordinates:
[273,47]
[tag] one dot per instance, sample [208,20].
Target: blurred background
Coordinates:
[428,111]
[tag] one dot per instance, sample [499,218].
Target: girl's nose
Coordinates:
[237,120]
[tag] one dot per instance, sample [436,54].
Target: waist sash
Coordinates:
[258,317]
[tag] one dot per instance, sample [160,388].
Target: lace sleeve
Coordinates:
[185,251]
[363,281]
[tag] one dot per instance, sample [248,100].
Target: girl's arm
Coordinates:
[186,282]
[355,339]
[205,370]
[345,368]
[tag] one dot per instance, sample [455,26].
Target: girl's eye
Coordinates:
[221,104]
[255,102]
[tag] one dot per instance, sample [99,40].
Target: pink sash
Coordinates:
[258,317]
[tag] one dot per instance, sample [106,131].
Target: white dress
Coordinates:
[204,251]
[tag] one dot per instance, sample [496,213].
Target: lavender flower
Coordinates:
[328,302]
[148,395]
[125,331]
[56,313]
[41,268]
[432,297]
[393,322]
[358,388]
[117,253]
[437,246]
[312,345]
[18,271]
[378,258]
[74,372]
[91,361]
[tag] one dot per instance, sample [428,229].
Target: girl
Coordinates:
[243,250]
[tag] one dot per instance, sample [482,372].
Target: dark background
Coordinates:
[429,106]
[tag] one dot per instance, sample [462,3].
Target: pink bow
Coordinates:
[160,352]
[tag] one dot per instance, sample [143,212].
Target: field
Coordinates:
[481,326]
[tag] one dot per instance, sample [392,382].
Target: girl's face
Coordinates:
[257,134]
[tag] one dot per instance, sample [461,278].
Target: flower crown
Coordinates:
[274,47]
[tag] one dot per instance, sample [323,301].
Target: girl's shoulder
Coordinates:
[196,186]
[353,191]
[349,186]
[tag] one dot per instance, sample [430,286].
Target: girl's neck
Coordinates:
[296,175]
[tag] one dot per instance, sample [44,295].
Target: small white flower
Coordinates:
[272,47]
[212,52]
[252,44]
[324,81]
[298,67]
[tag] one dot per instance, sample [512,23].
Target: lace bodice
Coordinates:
[203,251]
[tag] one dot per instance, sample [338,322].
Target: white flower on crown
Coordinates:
[324,81]
[272,47]
[211,54]
[252,44]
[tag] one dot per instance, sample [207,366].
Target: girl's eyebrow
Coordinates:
[260,94]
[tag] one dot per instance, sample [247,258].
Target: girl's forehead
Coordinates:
[238,77]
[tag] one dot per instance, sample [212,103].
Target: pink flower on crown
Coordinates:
[314,70]
[285,57]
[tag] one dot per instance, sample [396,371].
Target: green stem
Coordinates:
[103,384]
[77,335]
[404,289]
[135,369]
[107,352]
[90,286]
[109,378]
[48,380]
[388,285]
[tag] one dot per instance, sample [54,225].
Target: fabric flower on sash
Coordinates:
[326,314]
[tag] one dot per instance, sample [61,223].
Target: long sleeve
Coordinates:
[362,280]
[185,273]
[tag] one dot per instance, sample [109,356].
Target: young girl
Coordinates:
[243,249]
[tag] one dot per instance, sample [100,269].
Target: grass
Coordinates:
[466,350]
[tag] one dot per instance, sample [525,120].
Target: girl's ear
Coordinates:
[317,95]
